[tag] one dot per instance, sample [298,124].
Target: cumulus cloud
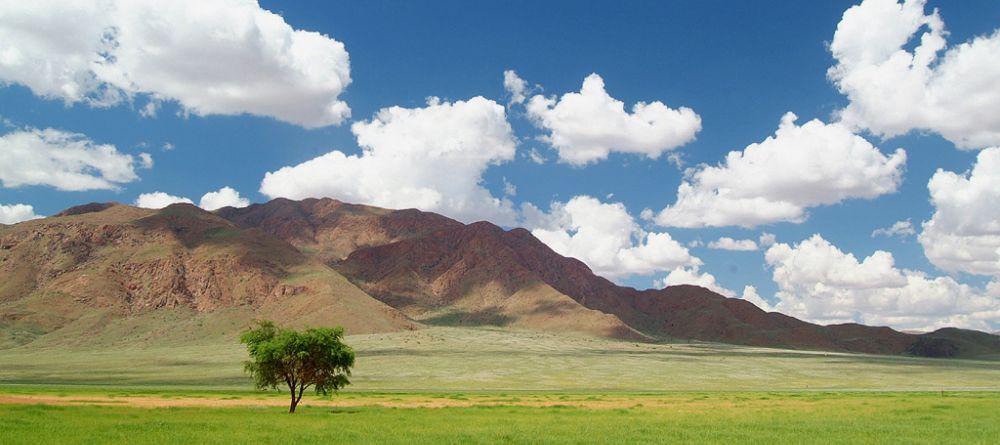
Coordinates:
[750,294]
[819,282]
[952,91]
[727,243]
[963,235]
[606,238]
[158,200]
[66,161]
[585,127]
[145,160]
[898,228]
[516,87]
[767,239]
[224,197]
[15,213]
[225,57]
[647,214]
[431,158]
[536,157]
[780,178]
[693,276]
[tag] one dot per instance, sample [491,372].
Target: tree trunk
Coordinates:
[291,408]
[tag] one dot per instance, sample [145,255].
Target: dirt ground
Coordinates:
[423,402]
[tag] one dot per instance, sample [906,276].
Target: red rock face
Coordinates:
[332,229]
[439,267]
[106,264]
[180,256]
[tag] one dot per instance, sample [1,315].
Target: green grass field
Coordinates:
[453,385]
[764,418]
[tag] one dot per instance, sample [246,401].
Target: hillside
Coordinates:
[97,268]
[443,272]
[485,263]
[130,275]
[329,229]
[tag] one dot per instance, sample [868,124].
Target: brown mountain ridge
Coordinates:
[371,270]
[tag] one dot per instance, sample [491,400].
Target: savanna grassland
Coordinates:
[460,385]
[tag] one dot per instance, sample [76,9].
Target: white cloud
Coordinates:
[692,275]
[780,178]
[767,239]
[431,158]
[647,214]
[168,146]
[158,200]
[606,238]
[66,161]
[963,235]
[727,243]
[820,283]
[150,109]
[225,57]
[950,91]
[224,197]
[15,213]
[676,159]
[585,127]
[898,228]
[750,294]
[515,86]
[536,157]
[145,160]
[509,189]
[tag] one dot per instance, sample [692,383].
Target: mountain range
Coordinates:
[117,273]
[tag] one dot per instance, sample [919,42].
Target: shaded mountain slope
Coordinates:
[466,275]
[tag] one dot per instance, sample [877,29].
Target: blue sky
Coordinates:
[740,67]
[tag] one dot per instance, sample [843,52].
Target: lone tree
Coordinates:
[314,357]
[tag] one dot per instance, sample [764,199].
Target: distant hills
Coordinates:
[111,272]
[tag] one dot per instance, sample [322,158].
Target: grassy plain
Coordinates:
[465,359]
[455,385]
[723,417]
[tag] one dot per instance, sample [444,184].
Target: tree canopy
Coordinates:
[314,357]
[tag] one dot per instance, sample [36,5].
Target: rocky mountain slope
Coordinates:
[104,263]
[321,261]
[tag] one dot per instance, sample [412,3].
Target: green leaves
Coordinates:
[315,357]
